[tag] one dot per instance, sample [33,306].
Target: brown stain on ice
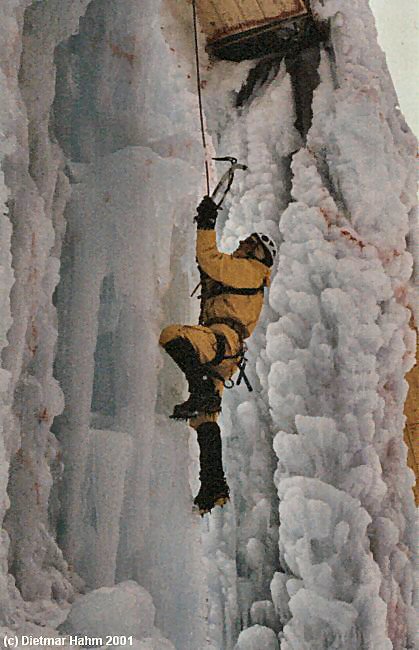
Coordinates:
[352,238]
[37,489]
[401,295]
[33,341]
[121,53]
[396,622]
[328,216]
[32,277]
[44,416]
[411,411]
[33,272]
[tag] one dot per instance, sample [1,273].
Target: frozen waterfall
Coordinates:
[101,166]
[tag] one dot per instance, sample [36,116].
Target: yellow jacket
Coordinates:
[226,270]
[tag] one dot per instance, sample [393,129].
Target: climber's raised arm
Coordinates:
[233,270]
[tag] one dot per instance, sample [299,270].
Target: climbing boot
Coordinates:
[214,489]
[211,496]
[203,398]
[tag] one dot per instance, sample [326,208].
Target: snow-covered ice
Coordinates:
[331,354]
[124,610]
[257,637]
[100,169]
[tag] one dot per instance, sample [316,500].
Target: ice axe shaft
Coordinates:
[226,179]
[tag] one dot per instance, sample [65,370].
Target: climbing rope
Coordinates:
[226,181]
[198,83]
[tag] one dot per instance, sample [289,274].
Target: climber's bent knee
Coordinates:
[171,332]
[201,338]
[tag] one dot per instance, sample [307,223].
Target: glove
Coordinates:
[207,214]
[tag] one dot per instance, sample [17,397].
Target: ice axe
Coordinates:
[226,180]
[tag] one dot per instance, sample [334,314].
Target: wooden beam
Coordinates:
[227,17]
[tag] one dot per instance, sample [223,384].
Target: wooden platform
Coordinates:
[224,18]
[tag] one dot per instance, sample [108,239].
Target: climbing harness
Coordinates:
[232,323]
[219,289]
[238,327]
[221,356]
[241,365]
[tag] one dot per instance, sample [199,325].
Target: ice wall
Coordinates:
[100,178]
[101,165]
[34,192]
[124,117]
[354,293]
[330,356]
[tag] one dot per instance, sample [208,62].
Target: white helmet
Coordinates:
[268,245]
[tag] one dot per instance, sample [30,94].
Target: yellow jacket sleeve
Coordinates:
[235,272]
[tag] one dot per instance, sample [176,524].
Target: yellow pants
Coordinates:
[205,344]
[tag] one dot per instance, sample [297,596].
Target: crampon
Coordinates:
[204,504]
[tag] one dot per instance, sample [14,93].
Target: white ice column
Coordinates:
[79,327]
[125,211]
[339,354]
[36,196]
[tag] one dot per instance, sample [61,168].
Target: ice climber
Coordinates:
[232,288]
